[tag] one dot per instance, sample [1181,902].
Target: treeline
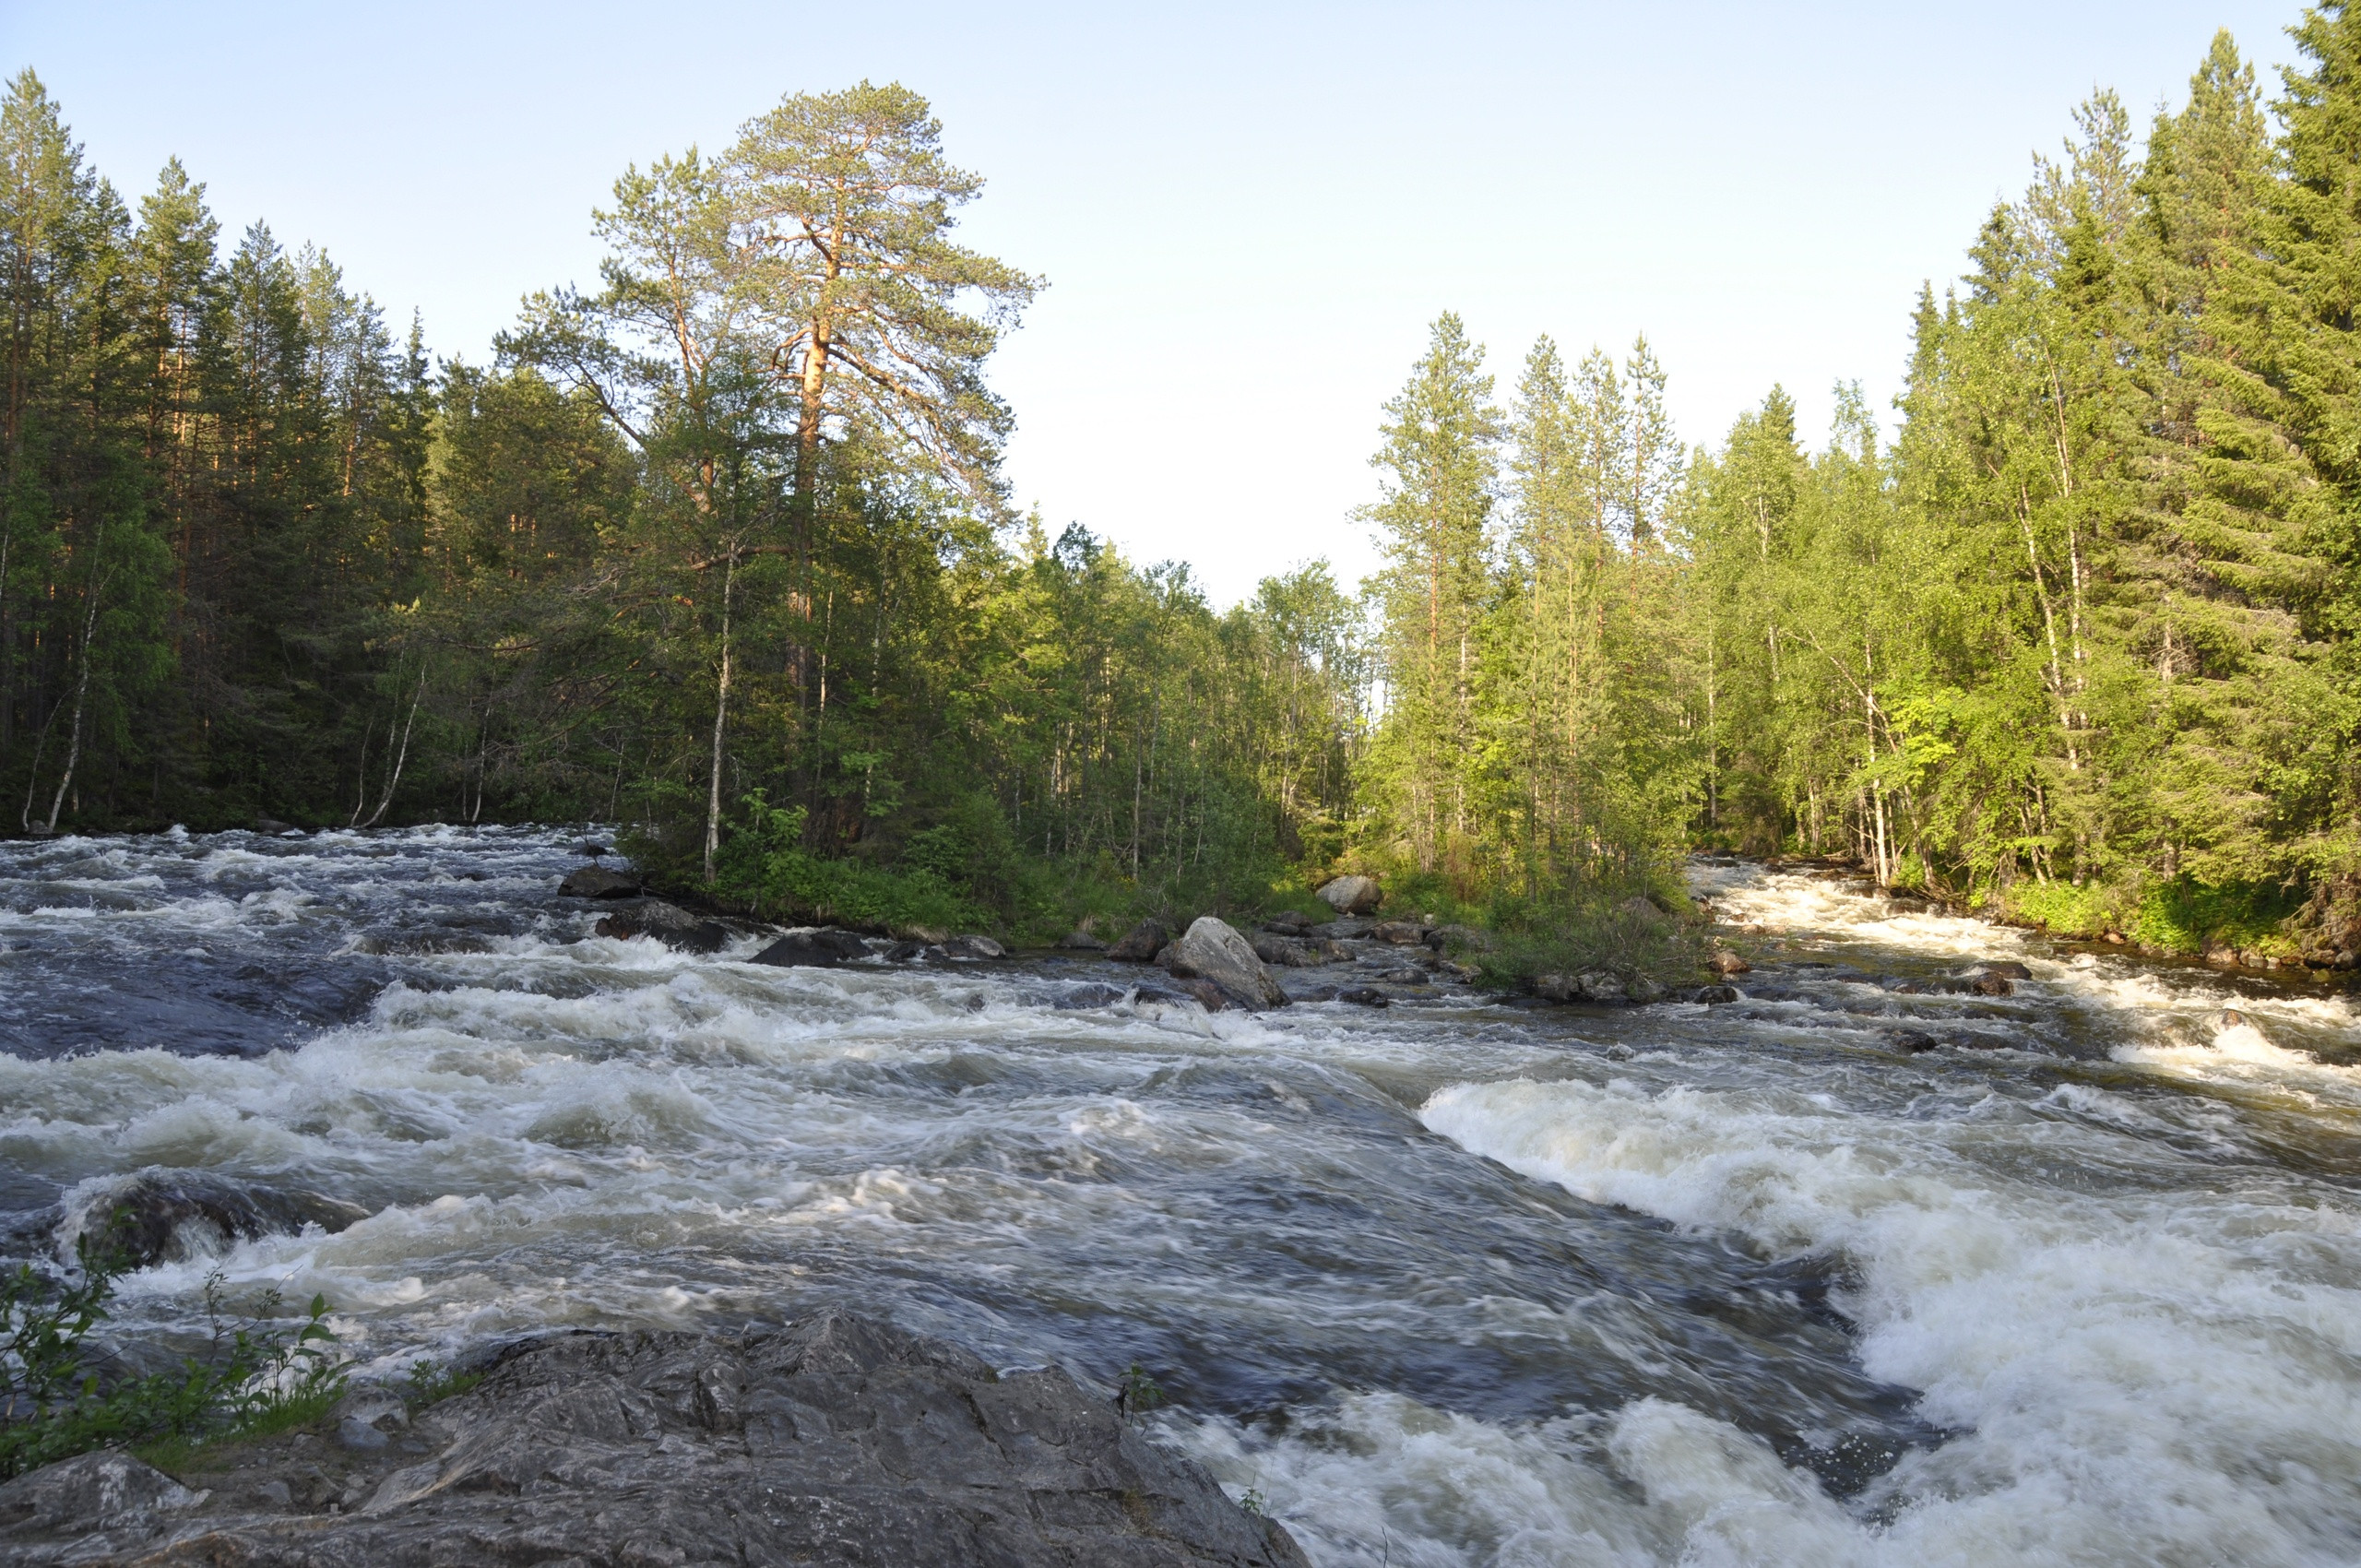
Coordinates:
[718,550]
[2079,642]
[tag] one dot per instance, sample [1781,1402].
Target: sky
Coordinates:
[1248,216]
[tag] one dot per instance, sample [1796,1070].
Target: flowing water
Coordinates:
[1827,1276]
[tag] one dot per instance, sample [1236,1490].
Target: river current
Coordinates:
[1831,1275]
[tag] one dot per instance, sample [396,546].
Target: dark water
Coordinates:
[1832,1273]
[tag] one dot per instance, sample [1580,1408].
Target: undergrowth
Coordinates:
[63,1392]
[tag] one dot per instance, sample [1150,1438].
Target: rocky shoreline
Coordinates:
[839,1442]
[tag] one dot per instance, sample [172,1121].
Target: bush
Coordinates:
[2061,906]
[764,866]
[58,1399]
[2183,915]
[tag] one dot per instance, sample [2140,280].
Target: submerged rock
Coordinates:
[1213,950]
[1352,894]
[668,924]
[837,1443]
[598,881]
[173,1216]
[1141,943]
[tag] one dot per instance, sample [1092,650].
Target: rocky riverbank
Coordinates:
[838,1442]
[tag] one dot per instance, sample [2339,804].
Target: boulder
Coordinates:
[1141,943]
[1364,996]
[1085,997]
[1288,952]
[1401,933]
[1288,922]
[822,949]
[1212,950]
[1715,994]
[2008,969]
[1203,992]
[1352,894]
[173,1216]
[1591,985]
[1081,941]
[1723,962]
[1458,939]
[838,1442]
[668,924]
[598,881]
[1408,974]
[974,947]
[1341,930]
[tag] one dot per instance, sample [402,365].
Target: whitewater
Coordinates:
[1835,1274]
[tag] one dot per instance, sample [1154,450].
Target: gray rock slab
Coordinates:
[840,1443]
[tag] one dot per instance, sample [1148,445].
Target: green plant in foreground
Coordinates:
[431,1383]
[1140,1391]
[61,1394]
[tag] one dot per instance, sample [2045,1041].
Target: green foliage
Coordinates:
[2187,915]
[61,1393]
[431,1383]
[2088,909]
[765,866]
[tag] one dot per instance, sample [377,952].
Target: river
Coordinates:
[1827,1276]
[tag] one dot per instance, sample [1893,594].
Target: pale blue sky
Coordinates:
[1248,214]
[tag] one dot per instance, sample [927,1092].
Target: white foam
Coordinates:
[2177,1369]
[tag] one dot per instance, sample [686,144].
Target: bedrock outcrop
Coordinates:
[838,1442]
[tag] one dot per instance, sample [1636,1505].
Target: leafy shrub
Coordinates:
[58,1398]
[765,866]
[2180,916]
[2061,906]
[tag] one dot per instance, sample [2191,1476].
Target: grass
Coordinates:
[62,1393]
[2180,916]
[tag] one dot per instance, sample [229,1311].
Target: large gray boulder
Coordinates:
[1211,949]
[841,1443]
[1352,894]
[598,881]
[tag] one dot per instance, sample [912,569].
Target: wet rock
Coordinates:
[1352,894]
[1081,942]
[1203,992]
[1211,949]
[972,946]
[1288,922]
[1087,996]
[1643,990]
[1591,985]
[837,1443]
[1723,962]
[1400,934]
[598,881]
[62,1506]
[272,824]
[822,949]
[2008,969]
[1364,996]
[1716,994]
[1141,943]
[914,953]
[1407,975]
[668,924]
[1287,952]
[174,1216]
[1341,930]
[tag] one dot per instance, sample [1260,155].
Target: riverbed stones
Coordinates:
[1211,949]
[1141,943]
[1352,894]
[598,881]
[1294,953]
[838,1442]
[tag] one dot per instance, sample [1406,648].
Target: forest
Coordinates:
[717,550]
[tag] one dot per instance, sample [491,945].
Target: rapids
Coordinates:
[1828,1276]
